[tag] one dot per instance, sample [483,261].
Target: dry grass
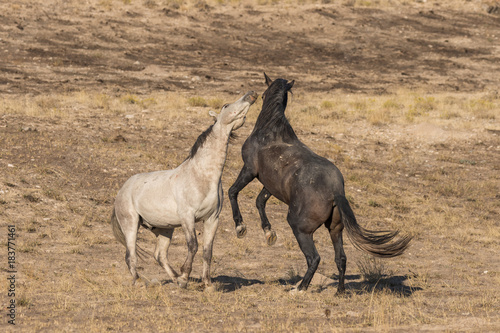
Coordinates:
[60,191]
[417,158]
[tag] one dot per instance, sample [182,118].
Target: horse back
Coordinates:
[288,170]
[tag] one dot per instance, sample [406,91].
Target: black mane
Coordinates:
[202,138]
[200,141]
[272,117]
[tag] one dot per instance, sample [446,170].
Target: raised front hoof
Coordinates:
[241,231]
[271,237]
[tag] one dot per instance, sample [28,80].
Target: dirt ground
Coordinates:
[66,155]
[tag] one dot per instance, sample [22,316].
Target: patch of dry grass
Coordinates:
[444,190]
[404,107]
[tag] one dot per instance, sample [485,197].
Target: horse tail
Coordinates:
[120,237]
[378,243]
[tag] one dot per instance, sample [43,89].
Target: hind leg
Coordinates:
[164,236]
[335,228]
[129,222]
[261,201]
[303,231]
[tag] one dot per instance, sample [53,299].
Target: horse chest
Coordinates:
[211,202]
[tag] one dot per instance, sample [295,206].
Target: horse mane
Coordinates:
[200,141]
[272,117]
[202,138]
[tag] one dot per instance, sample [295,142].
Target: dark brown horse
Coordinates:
[311,186]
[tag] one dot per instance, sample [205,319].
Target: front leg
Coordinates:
[245,177]
[261,201]
[192,245]
[209,230]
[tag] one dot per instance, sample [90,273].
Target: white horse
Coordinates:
[164,200]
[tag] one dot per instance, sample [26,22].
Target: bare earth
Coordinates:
[90,76]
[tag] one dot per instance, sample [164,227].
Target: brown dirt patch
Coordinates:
[83,91]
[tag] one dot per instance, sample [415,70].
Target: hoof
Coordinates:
[241,230]
[182,283]
[271,237]
[137,282]
[296,291]
[340,292]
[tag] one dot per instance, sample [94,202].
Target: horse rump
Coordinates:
[120,237]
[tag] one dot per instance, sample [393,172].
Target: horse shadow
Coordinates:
[393,284]
[233,283]
[224,283]
[389,283]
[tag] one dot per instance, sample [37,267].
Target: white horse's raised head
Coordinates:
[233,115]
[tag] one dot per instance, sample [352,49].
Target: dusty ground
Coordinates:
[402,96]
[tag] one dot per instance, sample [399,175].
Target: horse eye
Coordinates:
[225,105]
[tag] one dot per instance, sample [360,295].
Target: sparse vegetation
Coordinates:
[95,91]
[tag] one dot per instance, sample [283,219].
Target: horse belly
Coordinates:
[159,215]
[156,205]
[272,182]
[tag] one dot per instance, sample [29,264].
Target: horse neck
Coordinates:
[273,123]
[211,156]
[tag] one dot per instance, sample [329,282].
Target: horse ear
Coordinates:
[290,85]
[268,80]
[213,114]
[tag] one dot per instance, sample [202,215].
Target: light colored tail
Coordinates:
[377,243]
[118,232]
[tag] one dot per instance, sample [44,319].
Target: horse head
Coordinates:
[277,91]
[233,115]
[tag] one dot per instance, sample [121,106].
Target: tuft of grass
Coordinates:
[216,103]
[372,269]
[31,198]
[373,203]
[24,301]
[421,106]
[197,101]
[30,247]
[328,105]
[55,194]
